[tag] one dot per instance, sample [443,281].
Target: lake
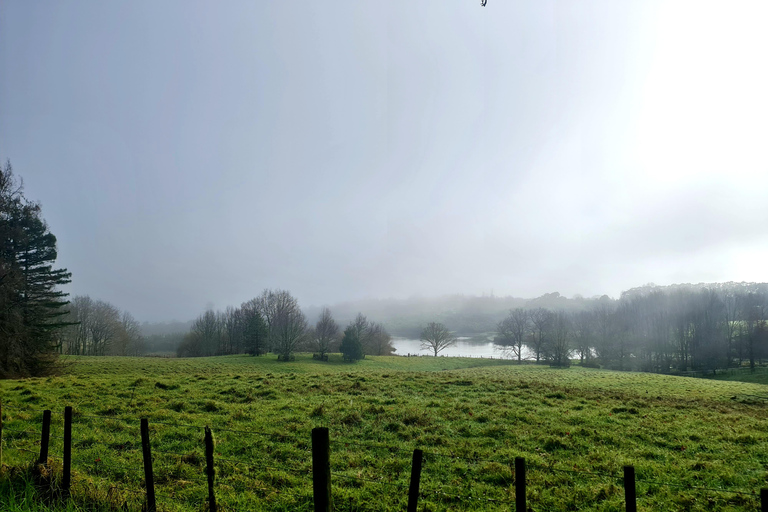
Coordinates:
[464,347]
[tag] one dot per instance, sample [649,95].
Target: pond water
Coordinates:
[464,347]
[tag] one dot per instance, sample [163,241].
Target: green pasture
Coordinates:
[696,444]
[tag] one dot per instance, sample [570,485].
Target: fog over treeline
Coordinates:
[650,328]
[465,314]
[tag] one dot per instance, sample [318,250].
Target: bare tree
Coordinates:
[380,342]
[265,305]
[325,333]
[558,347]
[207,333]
[583,334]
[604,331]
[287,326]
[129,341]
[103,327]
[513,330]
[542,320]
[436,337]
[77,336]
[231,341]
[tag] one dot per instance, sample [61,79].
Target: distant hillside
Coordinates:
[470,315]
[465,314]
[164,328]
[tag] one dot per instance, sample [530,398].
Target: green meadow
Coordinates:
[696,444]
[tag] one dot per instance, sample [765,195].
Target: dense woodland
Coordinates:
[651,328]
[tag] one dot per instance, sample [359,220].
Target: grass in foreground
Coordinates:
[576,428]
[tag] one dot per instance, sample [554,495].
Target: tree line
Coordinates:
[274,322]
[647,329]
[98,328]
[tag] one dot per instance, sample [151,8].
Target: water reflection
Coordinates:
[464,347]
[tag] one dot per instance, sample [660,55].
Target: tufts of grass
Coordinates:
[576,428]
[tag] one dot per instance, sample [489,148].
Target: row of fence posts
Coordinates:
[321,469]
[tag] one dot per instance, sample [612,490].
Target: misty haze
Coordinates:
[377,256]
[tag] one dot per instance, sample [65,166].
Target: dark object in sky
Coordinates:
[483,2]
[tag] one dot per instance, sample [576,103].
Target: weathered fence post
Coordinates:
[520,484]
[413,490]
[763,500]
[45,437]
[629,488]
[147,454]
[321,469]
[66,480]
[210,471]
[1,432]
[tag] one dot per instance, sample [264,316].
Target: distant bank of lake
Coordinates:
[464,347]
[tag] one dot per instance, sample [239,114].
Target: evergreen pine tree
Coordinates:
[31,306]
[351,348]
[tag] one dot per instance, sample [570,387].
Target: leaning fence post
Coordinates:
[44,437]
[210,471]
[413,490]
[147,454]
[321,469]
[629,488]
[67,450]
[520,484]
[763,500]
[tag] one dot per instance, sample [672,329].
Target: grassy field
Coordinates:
[689,439]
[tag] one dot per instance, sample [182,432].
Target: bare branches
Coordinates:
[325,333]
[436,337]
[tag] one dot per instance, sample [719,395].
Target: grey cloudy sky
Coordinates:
[188,153]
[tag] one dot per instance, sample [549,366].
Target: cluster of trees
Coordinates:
[363,337]
[31,306]
[647,329]
[97,328]
[274,322]
[232,331]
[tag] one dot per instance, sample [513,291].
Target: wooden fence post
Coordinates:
[520,484]
[763,500]
[66,481]
[321,469]
[629,489]
[1,432]
[211,472]
[45,437]
[413,490]
[147,454]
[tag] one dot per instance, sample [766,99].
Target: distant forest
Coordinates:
[650,328]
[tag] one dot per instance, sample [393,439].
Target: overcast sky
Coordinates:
[193,153]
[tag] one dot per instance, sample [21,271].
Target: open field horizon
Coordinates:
[696,444]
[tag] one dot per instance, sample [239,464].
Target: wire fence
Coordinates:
[281,468]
